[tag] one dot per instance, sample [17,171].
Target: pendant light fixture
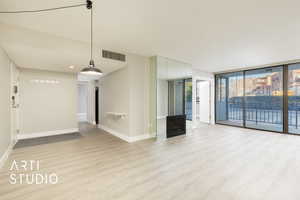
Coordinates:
[91,69]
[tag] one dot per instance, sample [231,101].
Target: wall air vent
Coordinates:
[113,55]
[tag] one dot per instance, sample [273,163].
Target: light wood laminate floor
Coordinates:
[214,162]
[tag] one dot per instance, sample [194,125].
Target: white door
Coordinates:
[204,101]
[15,102]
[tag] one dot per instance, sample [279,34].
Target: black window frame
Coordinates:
[285,110]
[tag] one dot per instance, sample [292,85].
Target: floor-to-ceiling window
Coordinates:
[264,99]
[188,99]
[294,98]
[229,98]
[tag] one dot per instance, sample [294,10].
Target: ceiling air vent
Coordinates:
[113,55]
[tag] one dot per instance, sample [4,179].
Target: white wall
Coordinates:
[199,75]
[5,104]
[115,98]
[152,96]
[139,91]
[126,91]
[162,98]
[48,101]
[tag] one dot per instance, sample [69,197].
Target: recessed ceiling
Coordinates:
[32,49]
[211,35]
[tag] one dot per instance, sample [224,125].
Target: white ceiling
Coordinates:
[168,69]
[32,49]
[212,35]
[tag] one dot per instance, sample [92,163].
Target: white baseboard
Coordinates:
[91,122]
[82,117]
[46,133]
[161,117]
[115,133]
[7,153]
[125,137]
[140,137]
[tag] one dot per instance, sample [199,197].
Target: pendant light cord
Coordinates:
[92,33]
[43,10]
[88,4]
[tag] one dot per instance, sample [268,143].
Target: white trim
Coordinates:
[6,154]
[161,117]
[46,133]
[92,122]
[140,137]
[115,133]
[82,117]
[125,137]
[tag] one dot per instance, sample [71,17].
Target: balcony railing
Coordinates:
[263,113]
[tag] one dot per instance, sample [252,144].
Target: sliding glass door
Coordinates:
[264,99]
[229,98]
[294,98]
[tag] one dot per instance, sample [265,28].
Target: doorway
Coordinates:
[203,101]
[97,105]
[82,102]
